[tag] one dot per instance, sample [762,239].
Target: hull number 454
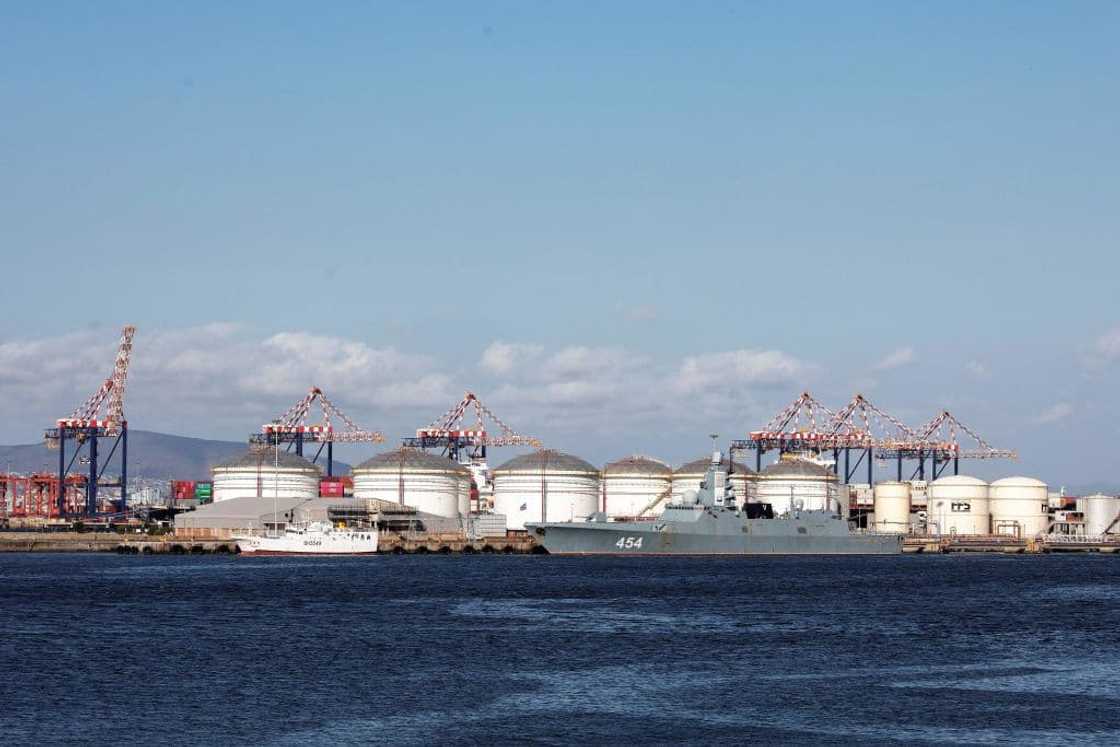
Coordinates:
[629,543]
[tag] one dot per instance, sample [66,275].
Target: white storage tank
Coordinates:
[265,473]
[546,485]
[892,507]
[1019,506]
[464,496]
[958,504]
[633,484]
[689,475]
[412,477]
[793,481]
[1101,513]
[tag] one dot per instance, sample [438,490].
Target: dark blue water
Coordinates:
[473,650]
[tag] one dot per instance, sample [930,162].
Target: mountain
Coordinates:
[154,455]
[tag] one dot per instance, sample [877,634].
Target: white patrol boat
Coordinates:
[314,538]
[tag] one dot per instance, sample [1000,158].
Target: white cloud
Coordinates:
[1054,413]
[1108,344]
[503,357]
[606,389]
[217,378]
[895,359]
[737,368]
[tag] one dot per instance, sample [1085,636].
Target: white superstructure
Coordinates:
[689,475]
[545,485]
[1019,507]
[796,483]
[1101,512]
[958,504]
[635,484]
[265,473]
[415,478]
[892,507]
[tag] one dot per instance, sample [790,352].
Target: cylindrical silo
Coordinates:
[635,485]
[958,504]
[464,496]
[892,507]
[689,475]
[1101,512]
[545,485]
[793,482]
[1019,507]
[265,473]
[411,477]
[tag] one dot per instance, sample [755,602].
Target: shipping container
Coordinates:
[331,488]
[182,490]
[203,489]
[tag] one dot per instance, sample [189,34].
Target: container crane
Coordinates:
[292,429]
[86,426]
[939,439]
[449,434]
[802,426]
[807,425]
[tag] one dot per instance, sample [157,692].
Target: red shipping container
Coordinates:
[182,490]
[331,489]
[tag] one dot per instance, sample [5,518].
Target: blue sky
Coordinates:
[647,183]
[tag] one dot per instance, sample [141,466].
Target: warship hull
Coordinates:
[750,537]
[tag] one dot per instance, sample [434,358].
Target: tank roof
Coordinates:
[797,468]
[266,458]
[411,459]
[1018,481]
[700,466]
[548,460]
[958,480]
[636,464]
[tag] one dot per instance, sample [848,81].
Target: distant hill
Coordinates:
[154,455]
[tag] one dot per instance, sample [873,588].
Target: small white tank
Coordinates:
[1100,512]
[958,504]
[411,477]
[892,507]
[265,473]
[1019,507]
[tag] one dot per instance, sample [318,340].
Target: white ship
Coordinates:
[315,538]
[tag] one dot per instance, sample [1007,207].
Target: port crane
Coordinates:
[99,417]
[805,425]
[292,429]
[939,440]
[449,434]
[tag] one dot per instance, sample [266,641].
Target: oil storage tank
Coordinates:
[1019,507]
[546,485]
[412,477]
[265,473]
[636,484]
[689,475]
[794,481]
[1101,514]
[892,507]
[958,504]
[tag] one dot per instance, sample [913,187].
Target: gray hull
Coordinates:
[699,532]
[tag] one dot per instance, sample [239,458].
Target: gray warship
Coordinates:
[708,522]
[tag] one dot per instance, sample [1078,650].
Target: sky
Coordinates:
[624,225]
